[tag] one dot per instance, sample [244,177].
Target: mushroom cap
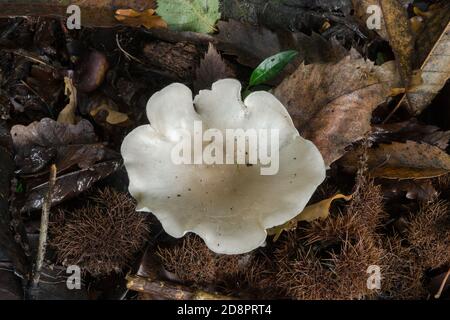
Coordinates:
[229,206]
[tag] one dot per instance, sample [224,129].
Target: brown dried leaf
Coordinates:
[113,117]
[319,210]
[146,18]
[435,73]
[410,160]
[67,115]
[400,36]
[332,104]
[411,130]
[211,69]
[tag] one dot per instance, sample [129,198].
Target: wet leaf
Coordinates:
[271,67]
[190,15]
[69,185]
[212,68]
[252,44]
[36,145]
[410,160]
[146,18]
[316,211]
[332,104]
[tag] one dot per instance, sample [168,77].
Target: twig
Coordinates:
[44,226]
[166,290]
[441,288]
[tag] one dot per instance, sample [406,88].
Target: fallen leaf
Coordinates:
[48,142]
[332,104]
[422,190]
[435,73]
[146,18]
[271,67]
[319,210]
[113,117]
[69,185]
[67,115]
[410,130]
[212,68]
[49,132]
[190,15]
[410,160]
[252,44]
[401,38]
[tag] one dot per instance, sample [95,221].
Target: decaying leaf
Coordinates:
[410,160]
[211,69]
[113,115]
[69,185]
[67,115]
[252,44]
[422,190]
[42,143]
[319,210]
[48,132]
[190,15]
[332,104]
[435,73]
[401,38]
[410,130]
[146,18]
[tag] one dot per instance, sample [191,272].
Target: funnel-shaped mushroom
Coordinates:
[229,205]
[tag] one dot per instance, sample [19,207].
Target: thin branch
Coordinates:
[44,227]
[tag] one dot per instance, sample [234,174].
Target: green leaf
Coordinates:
[271,67]
[190,15]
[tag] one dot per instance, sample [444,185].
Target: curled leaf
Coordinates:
[319,210]
[67,115]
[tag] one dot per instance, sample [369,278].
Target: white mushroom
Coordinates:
[229,205]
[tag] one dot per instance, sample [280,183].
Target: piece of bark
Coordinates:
[163,290]
[179,59]
[94,13]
